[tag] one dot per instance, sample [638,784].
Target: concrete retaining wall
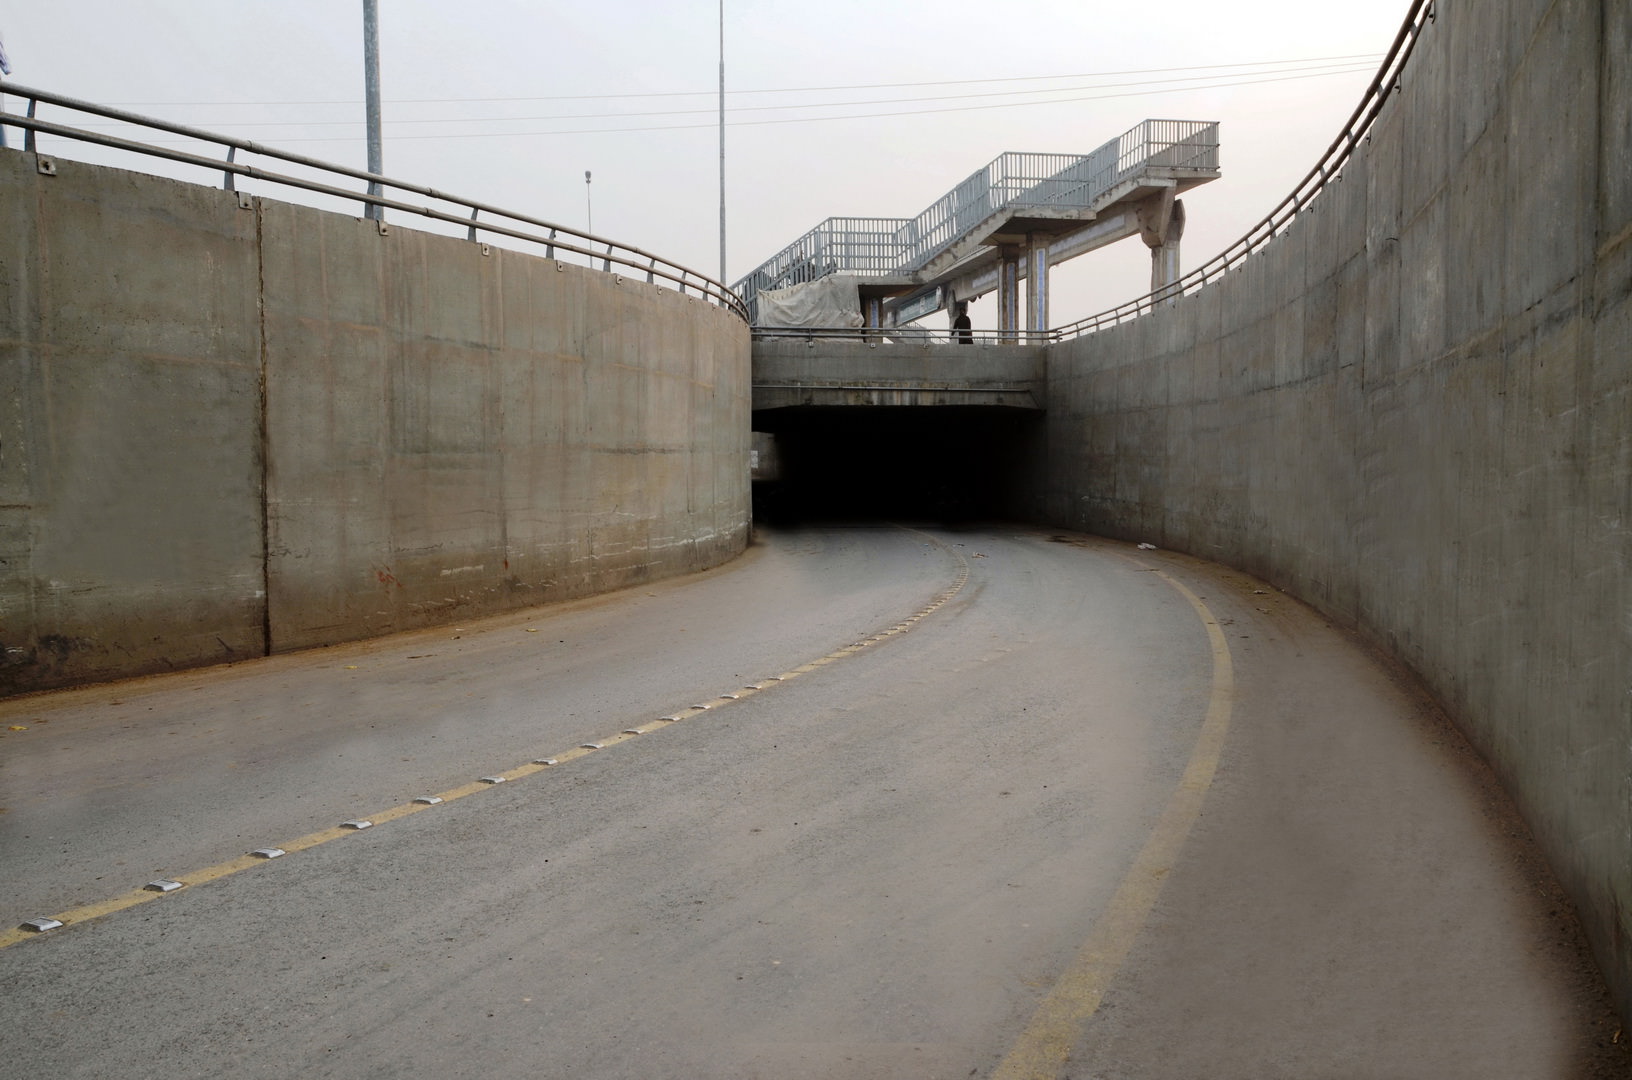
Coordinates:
[1414,410]
[229,431]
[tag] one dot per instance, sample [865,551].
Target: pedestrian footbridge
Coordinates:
[1009,221]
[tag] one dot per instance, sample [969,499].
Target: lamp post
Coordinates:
[589,207]
[5,69]
[722,142]
[371,90]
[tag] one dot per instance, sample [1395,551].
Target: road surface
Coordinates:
[867,802]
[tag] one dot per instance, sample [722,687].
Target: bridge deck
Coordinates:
[791,372]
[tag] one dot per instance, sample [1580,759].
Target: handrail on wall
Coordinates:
[902,335]
[1327,170]
[474,217]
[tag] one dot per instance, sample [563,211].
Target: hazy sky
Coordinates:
[289,73]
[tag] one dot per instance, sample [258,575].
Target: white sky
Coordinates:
[200,61]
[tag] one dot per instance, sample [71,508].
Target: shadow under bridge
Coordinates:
[859,427]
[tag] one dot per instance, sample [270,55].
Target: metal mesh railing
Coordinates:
[875,247]
[328,179]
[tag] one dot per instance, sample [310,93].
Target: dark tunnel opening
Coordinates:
[934,463]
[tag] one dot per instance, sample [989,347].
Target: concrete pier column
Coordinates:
[872,315]
[1008,295]
[1036,284]
[1163,227]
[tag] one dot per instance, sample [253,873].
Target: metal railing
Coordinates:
[1327,170]
[1059,181]
[466,213]
[903,335]
[876,247]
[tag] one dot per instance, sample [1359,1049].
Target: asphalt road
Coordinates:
[961,804]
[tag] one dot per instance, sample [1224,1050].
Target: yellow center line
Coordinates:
[1042,1049]
[131,899]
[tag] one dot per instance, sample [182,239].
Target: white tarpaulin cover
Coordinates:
[830,301]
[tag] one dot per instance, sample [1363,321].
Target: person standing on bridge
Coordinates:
[962,329]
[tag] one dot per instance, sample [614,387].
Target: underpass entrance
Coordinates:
[944,464]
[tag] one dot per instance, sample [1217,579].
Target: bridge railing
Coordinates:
[339,181]
[903,335]
[876,247]
[1056,181]
[1327,170]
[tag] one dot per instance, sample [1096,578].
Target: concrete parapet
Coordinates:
[455,432]
[226,430]
[130,453]
[1412,411]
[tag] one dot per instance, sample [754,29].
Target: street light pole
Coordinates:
[589,207]
[722,142]
[5,69]
[371,88]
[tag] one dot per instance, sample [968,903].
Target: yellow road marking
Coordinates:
[1042,1049]
[131,899]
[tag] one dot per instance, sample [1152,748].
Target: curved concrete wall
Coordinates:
[232,429]
[1414,410]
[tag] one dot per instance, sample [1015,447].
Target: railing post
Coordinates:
[549,248]
[471,234]
[231,178]
[28,136]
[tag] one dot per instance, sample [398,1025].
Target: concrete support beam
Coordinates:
[1161,221]
[1037,284]
[1155,213]
[1107,230]
[872,315]
[1008,294]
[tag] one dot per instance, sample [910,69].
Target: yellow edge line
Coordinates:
[1041,1051]
[131,899]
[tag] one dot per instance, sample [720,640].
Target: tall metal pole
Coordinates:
[5,69]
[371,88]
[722,142]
